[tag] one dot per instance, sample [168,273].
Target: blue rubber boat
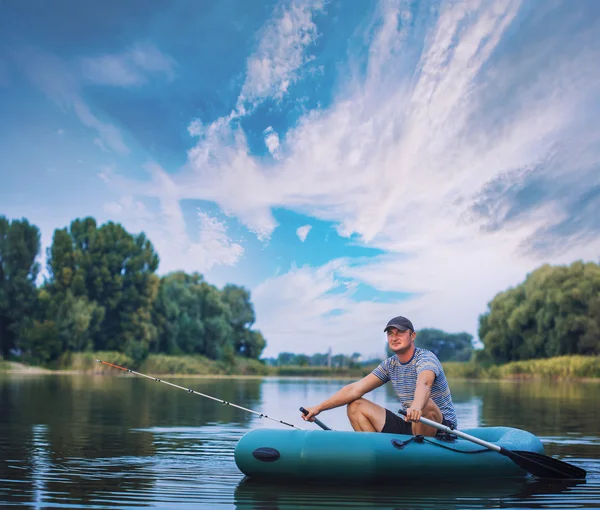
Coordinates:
[319,455]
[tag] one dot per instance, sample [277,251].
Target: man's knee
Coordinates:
[432,412]
[355,406]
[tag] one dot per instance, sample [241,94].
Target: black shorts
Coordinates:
[395,424]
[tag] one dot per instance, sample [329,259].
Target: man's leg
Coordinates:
[432,412]
[365,416]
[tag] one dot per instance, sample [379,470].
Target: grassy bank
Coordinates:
[564,367]
[159,364]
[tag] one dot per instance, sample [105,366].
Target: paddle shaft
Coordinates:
[535,463]
[458,433]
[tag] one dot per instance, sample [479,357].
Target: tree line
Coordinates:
[446,346]
[102,293]
[330,360]
[554,312]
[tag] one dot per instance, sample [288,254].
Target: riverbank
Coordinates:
[563,367]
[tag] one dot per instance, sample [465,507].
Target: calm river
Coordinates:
[127,442]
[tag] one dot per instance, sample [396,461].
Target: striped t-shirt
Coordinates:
[404,380]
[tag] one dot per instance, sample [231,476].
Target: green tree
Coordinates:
[555,311]
[19,247]
[446,346]
[246,342]
[192,316]
[286,358]
[104,276]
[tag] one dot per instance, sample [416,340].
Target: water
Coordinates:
[127,442]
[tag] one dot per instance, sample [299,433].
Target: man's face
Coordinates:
[400,341]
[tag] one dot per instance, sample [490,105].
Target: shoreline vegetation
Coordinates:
[561,367]
[102,298]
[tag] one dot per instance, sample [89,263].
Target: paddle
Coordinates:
[318,422]
[537,464]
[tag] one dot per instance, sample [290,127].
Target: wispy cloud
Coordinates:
[61,84]
[310,309]
[271,69]
[130,68]
[166,225]
[214,245]
[282,52]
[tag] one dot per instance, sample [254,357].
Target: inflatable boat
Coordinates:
[319,455]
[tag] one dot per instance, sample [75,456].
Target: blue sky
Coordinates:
[345,161]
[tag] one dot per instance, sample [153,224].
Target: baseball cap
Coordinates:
[401,323]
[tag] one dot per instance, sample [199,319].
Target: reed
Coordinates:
[186,365]
[86,361]
[200,365]
[463,370]
[301,371]
[562,367]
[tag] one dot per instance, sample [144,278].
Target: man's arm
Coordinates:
[422,392]
[347,394]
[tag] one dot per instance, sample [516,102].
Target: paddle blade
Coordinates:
[543,466]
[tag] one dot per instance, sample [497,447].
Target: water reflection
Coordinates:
[115,442]
[252,495]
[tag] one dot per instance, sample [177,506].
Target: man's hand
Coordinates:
[413,414]
[312,412]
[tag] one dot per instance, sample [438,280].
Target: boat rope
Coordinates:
[436,443]
[224,402]
[419,439]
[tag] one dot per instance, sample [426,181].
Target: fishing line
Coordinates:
[261,415]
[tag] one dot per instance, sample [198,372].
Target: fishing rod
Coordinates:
[261,415]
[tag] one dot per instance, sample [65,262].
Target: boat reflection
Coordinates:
[255,495]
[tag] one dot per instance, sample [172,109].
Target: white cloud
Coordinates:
[303,231]
[214,247]
[426,161]
[271,140]
[277,63]
[195,128]
[99,142]
[166,226]
[129,68]
[55,78]
[127,205]
[309,310]
[281,53]
[109,134]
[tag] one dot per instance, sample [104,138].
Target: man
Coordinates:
[418,379]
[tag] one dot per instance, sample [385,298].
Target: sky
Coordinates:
[346,162]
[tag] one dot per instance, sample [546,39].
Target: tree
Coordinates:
[286,358]
[242,317]
[102,293]
[19,247]
[446,346]
[555,311]
[106,274]
[193,317]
